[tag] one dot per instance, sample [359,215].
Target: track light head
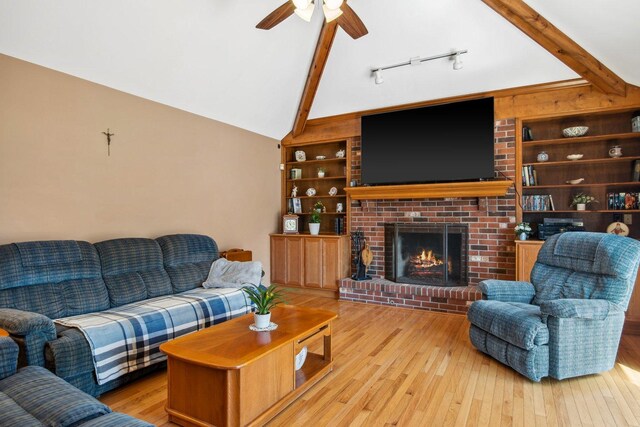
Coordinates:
[457,62]
[378,76]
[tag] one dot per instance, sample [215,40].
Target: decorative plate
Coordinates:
[619,228]
[574,131]
[333,191]
[301,357]
[311,192]
[272,327]
[300,156]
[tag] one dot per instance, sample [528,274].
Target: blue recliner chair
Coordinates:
[568,321]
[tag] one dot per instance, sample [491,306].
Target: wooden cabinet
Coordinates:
[602,176]
[526,255]
[315,262]
[303,175]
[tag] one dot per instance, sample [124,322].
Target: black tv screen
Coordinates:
[449,142]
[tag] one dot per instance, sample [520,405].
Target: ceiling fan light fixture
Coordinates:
[378,76]
[306,13]
[301,4]
[333,4]
[331,14]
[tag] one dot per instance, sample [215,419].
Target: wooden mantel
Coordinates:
[431,191]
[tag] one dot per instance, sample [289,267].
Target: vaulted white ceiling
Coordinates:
[206,57]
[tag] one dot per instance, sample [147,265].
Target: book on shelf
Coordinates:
[636,171]
[623,201]
[529,176]
[538,202]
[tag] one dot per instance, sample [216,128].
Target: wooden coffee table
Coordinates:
[228,375]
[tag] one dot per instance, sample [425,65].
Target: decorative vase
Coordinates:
[542,156]
[262,320]
[314,228]
[581,207]
[523,236]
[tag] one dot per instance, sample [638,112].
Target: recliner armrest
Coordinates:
[32,330]
[507,290]
[595,309]
[8,357]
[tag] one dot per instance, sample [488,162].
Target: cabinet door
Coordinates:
[331,260]
[313,262]
[526,255]
[294,264]
[278,260]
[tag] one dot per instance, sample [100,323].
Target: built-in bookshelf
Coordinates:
[547,188]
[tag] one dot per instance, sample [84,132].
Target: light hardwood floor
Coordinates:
[403,367]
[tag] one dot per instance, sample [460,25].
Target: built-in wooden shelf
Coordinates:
[339,178]
[318,197]
[431,191]
[306,162]
[597,184]
[583,162]
[582,139]
[587,211]
[323,213]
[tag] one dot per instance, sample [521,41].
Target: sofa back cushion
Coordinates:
[132,270]
[586,266]
[187,259]
[56,278]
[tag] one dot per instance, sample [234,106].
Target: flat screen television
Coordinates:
[448,142]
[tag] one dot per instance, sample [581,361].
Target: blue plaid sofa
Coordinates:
[48,280]
[34,397]
[567,322]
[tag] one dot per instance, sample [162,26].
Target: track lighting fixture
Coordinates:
[455,55]
[378,75]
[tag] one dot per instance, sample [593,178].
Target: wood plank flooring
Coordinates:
[404,367]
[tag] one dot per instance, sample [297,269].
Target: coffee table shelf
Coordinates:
[227,375]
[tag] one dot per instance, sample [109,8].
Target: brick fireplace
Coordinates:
[491,251]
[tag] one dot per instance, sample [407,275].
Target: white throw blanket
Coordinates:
[233,274]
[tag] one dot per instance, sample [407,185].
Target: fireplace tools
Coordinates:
[363,255]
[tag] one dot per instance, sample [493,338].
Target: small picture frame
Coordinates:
[290,224]
[295,173]
[297,205]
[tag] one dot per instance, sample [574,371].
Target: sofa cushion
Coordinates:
[12,414]
[36,276]
[50,399]
[516,323]
[187,259]
[70,354]
[133,270]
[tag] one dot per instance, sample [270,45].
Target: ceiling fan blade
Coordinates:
[351,22]
[277,16]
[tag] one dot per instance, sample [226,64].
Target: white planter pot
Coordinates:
[320,174]
[314,228]
[581,207]
[262,320]
[523,236]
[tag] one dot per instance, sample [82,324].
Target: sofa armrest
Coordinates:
[595,309]
[32,330]
[507,290]
[8,357]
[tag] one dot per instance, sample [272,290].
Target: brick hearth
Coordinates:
[435,298]
[491,237]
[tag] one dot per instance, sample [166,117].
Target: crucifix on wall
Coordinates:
[109,135]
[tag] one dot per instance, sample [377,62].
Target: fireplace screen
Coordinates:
[426,254]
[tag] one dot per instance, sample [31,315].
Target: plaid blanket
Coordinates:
[127,338]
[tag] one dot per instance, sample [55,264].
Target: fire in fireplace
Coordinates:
[426,254]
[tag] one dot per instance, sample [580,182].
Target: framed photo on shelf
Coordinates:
[297,205]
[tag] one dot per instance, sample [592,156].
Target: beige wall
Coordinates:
[169,171]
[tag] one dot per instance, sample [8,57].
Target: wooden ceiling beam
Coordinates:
[559,44]
[325,41]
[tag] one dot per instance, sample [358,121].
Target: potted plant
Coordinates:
[523,230]
[581,200]
[264,299]
[321,172]
[314,219]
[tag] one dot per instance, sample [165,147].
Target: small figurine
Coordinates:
[294,191]
[340,154]
[339,207]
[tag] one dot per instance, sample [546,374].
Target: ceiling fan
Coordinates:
[333,10]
